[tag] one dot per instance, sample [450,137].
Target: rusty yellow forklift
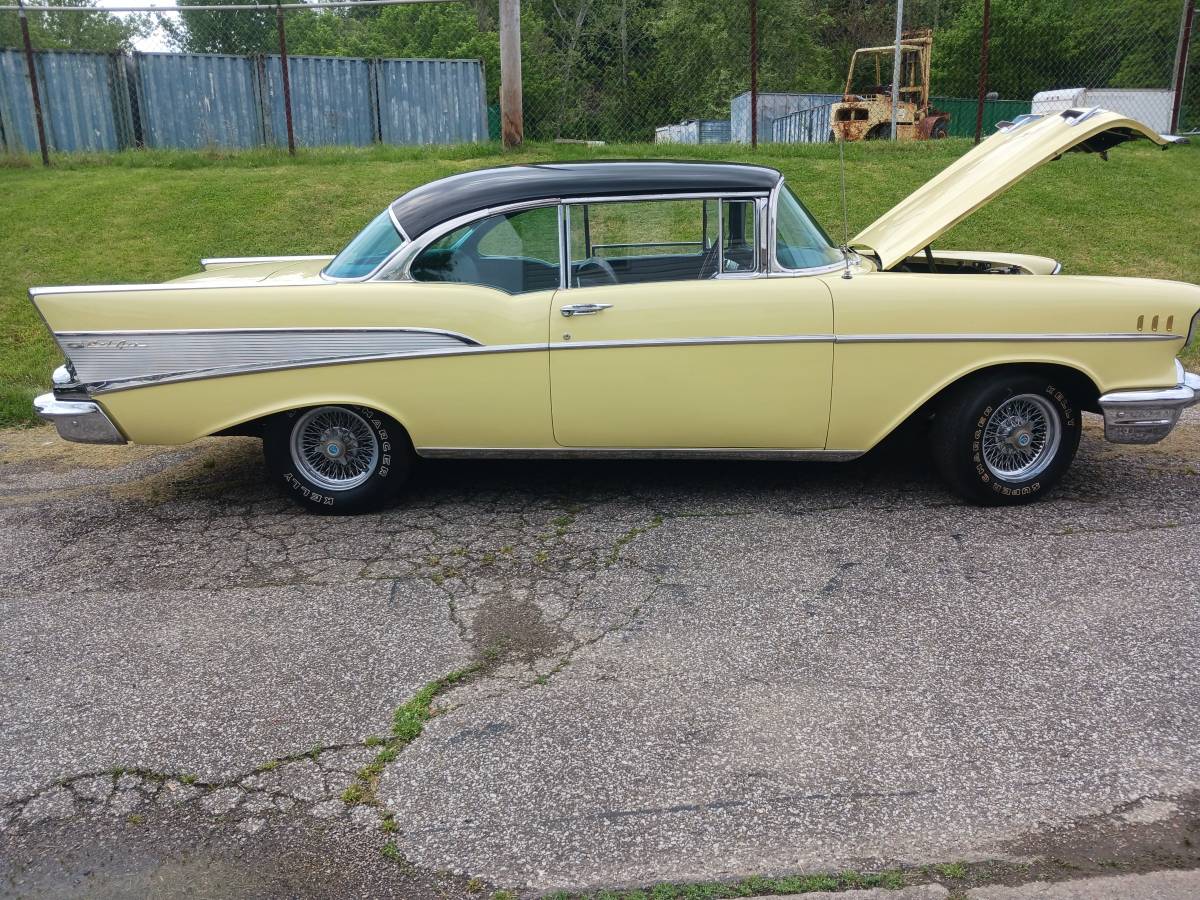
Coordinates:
[865,111]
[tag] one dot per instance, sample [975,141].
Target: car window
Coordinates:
[800,243]
[637,241]
[370,247]
[512,252]
[738,235]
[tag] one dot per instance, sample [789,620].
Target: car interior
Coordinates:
[517,252]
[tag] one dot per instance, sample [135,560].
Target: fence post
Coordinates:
[33,85]
[1181,60]
[512,117]
[896,67]
[983,68]
[753,74]
[287,79]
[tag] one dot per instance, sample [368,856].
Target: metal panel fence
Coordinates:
[111,101]
[409,89]
[333,101]
[194,100]
[84,99]
[771,106]
[694,131]
[806,126]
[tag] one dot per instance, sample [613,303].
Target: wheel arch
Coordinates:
[256,422]
[1077,383]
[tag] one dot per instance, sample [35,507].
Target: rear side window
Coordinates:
[511,252]
[368,250]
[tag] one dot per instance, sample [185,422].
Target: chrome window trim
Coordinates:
[774,267]
[760,201]
[207,261]
[404,255]
[637,453]
[689,195]
[404,242]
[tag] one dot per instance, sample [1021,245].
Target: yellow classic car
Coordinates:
[631,309]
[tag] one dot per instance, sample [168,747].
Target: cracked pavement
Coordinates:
[691,670]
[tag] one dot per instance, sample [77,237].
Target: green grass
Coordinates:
[148,216]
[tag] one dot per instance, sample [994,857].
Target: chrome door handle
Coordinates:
[584,309]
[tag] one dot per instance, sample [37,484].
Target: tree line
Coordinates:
[616,68]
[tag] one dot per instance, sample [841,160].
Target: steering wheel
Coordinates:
[596,271]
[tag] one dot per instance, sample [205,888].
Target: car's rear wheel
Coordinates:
[1005,439]
[338,459]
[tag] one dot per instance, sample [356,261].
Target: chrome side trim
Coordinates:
[1002,338]
[106,357]
[207,261]
[230,371]
[1057,268]
[77,420]
[636,453]
[696,341]
[107,361]
[170,286]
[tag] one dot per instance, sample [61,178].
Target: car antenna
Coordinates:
[845,213]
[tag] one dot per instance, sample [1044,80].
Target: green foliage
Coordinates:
[75,31]
[1039,45]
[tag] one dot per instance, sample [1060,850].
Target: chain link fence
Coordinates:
[193,76]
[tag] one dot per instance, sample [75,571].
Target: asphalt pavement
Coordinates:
[680,672]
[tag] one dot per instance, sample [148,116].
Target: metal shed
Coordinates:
[771,106]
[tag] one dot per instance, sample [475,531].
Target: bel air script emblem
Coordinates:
[106,345]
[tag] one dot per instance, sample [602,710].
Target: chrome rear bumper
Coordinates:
[78,420]
[1146,417]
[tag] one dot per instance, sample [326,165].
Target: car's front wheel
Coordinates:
[1005,439]
[338,459]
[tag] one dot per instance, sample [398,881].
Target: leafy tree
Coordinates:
[97,30]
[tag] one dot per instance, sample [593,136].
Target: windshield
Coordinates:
[373,245]
[800,243]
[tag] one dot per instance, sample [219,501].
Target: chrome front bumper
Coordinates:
[78,420]
[1146,417]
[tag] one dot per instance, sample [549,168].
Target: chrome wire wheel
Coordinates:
[1021,438]
[334,447]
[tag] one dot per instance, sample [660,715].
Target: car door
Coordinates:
[671,334]
[490,282]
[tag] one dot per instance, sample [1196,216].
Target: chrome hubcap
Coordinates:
[334,447]
[1021,438]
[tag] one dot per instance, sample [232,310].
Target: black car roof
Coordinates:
[448,198]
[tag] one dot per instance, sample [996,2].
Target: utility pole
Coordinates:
[896,64]
[983,68]
[512,119]
[754,74]
[33,85]
[1181,60]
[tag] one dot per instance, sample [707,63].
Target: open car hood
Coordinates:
[988,170]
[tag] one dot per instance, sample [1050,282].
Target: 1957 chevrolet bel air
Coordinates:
[638,309]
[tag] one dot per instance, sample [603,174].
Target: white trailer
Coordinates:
[1149,105]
